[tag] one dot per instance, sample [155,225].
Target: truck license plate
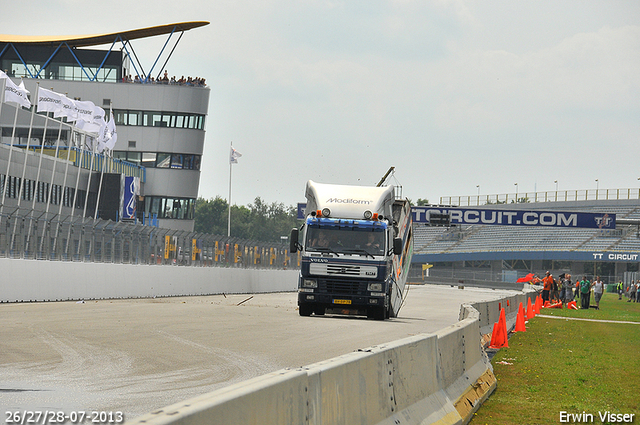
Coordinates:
[342,301]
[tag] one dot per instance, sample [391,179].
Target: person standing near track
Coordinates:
[619,288]
[585,293]
[632,293]
[567,286]
[547,283]
[598,290]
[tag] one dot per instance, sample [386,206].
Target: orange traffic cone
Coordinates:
[572,305]
[499,338]
[556,305]
[547,304]
[520,320]
[530,313]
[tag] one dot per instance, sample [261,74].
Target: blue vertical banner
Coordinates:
[130,197]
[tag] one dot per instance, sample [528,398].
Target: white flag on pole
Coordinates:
[49,101]
[98,115]
[14,93]
[112,134]
[68,109]
[84,110]
[89,127]
[233,159]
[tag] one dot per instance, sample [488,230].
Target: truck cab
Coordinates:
[356,246]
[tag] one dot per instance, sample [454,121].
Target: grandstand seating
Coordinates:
[490,238]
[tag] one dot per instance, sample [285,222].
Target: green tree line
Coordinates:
[259,220]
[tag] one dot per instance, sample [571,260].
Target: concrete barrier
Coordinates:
[34,280]
[440,378]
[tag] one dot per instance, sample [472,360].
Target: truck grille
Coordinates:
[341,269]
[339,287]
[346,270]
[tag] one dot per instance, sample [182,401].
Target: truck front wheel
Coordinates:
[305,309]
[377,313]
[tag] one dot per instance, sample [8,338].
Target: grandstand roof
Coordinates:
[100,39]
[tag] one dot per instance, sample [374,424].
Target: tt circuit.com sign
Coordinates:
[460,216]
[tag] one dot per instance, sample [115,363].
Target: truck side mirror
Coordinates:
[293,241]
[397,246]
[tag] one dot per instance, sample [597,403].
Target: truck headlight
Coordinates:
[375,287]
[309,283]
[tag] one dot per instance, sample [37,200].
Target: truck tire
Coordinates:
[377,313]
[305,309]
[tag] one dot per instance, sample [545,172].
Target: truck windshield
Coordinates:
[345,241]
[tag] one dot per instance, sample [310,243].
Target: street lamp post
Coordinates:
[597,188]
[516,185]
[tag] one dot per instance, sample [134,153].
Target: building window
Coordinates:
[173,208]
[176,160]
[159,119]
[161,160]
[149,159]
[164,160]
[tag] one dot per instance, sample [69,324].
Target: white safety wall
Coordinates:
[440,378]
[35,280]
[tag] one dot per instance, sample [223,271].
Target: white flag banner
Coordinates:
[111,133]
[68,109]
[89,127]
[49,101]
[233,159]
[84,110]
[14,93]
[98,115]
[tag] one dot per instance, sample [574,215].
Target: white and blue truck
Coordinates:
[356,245]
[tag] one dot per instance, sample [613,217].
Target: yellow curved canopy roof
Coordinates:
[99,39]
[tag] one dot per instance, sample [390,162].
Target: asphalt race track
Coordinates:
[135,356]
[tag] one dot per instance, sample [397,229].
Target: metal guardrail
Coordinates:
[26,234]
[555,196]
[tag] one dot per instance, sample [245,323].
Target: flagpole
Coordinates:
[24,171]
[3,86]
[64,187]
[53,173]
[104,161]
[229,219]
[33,204]
[6,182]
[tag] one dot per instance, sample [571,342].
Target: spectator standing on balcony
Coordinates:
[547,283]
[598,290]
[585,293]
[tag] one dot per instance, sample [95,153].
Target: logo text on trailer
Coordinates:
[348,201]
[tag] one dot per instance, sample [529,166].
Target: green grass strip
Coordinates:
[578,367]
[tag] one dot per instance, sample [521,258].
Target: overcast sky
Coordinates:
[453,93]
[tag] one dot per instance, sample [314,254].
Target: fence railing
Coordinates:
[91,161]
[36,235]
[555,196]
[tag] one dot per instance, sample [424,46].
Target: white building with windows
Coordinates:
[160,126]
